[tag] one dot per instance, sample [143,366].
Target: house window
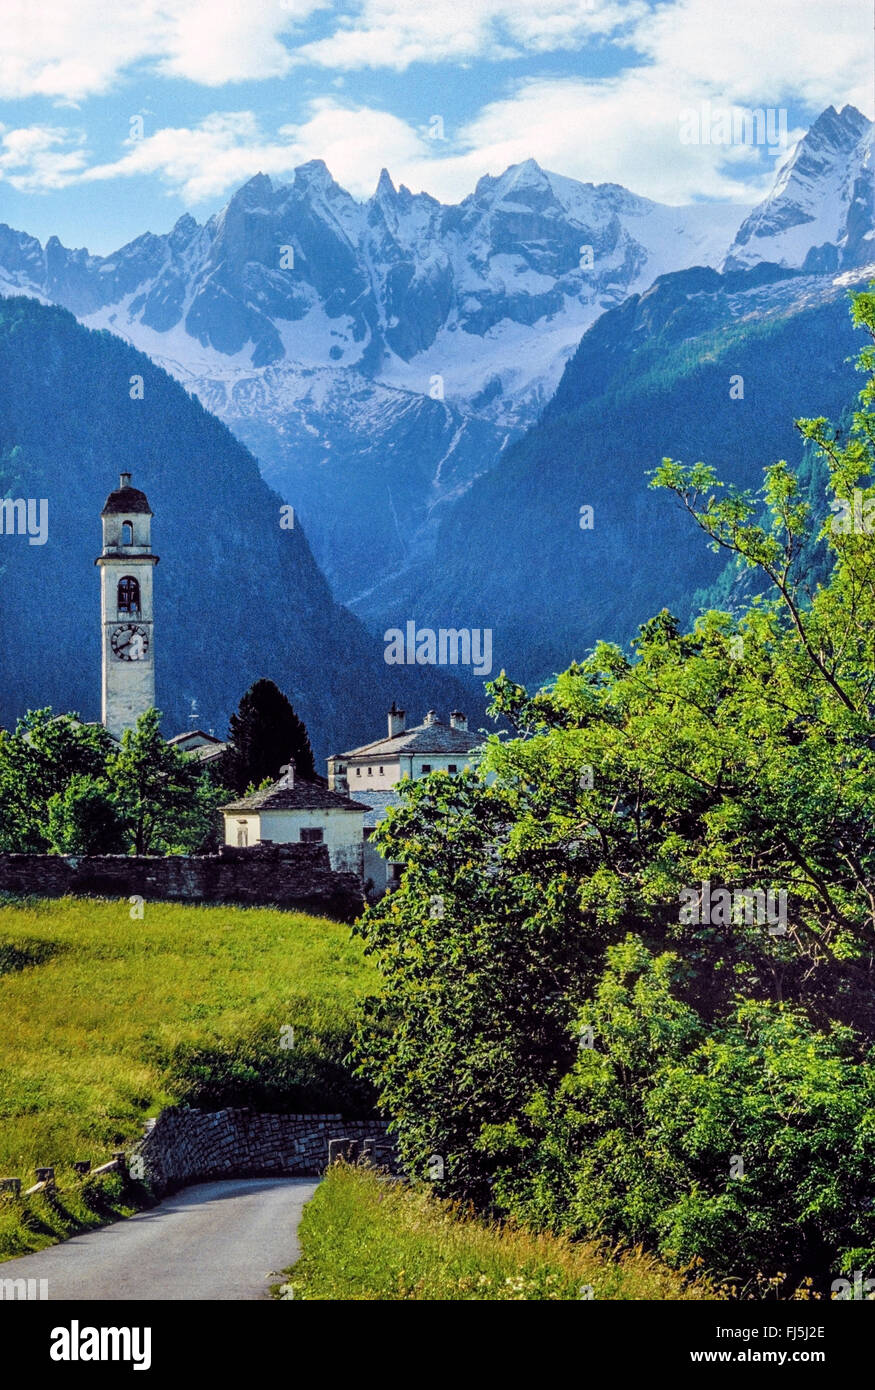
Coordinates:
[358,772]
[426,767]
[370,771]
[381,772]
[312,835]
[128,595]
[127,533]
[242,834]
[452,768]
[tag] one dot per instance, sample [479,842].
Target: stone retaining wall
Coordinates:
[185,1145]
[295,876]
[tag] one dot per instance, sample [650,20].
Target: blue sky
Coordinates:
[224,88]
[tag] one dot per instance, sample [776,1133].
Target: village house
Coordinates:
[372,772]
[198,745]
[431,746]
[292,811]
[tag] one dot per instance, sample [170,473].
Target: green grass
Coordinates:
[104,1020]
[365,1238]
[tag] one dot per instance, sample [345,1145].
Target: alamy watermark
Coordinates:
[855,514]
[25,516]
[449,646]
[733,125]
[725,907]
[859,1289]
[76,1343]
[27,1290]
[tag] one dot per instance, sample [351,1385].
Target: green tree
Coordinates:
[481,952]
[199,829]
[741,755]
[154,786]
[745,1145]
[37,760]
[264,735]
[84,819]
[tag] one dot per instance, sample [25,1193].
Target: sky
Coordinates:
[117,119]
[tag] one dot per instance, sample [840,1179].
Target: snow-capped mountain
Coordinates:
[819,215]
[378,356]
[401,287]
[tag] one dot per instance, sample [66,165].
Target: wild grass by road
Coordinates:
[105,1019]
[365,1238]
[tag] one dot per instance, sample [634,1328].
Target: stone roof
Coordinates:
[303,796]
[378,804]
[126,499]
[205,752]
[194,733]
[434,737]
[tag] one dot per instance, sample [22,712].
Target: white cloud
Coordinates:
[753,51]
[72,51]
[397,33]
[212,43]
[356,143]
[207,161]
[750,51]
[760,53]
[619,130]
[622,130]
[36,158]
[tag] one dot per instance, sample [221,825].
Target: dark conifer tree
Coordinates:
[264,735]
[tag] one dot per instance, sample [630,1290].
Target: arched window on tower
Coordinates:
[127,533]
[128,595]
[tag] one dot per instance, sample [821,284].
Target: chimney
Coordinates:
[458,720]
[337,780]
[397,721]
[287,775]
[431,717]
[124,480]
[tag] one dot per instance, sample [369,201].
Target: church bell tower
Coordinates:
[126,565]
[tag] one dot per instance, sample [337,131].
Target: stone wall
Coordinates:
[183,1145]
[294,876]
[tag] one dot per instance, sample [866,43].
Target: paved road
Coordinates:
[218,1240]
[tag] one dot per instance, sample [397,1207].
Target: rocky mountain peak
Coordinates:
[840,128]
[256,192]
[812,214]
[517,178]
[314,178]
[385,187]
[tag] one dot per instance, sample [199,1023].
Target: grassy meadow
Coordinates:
[367,1239]
[105,1019]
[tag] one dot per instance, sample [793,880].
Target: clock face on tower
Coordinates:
[130,642]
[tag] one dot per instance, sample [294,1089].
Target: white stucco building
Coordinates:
[431,746]
[372,772]
[296,812]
